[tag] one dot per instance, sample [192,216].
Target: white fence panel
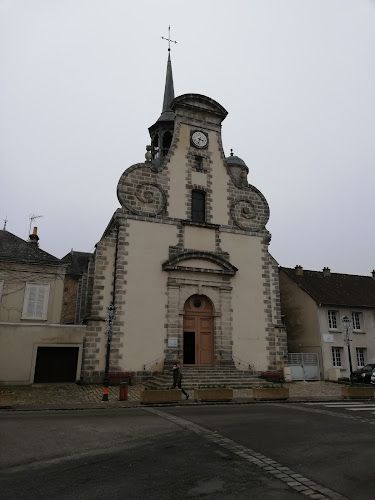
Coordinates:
[304,366]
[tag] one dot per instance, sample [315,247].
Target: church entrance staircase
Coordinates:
[204,376]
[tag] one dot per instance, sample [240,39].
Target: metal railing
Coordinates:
[153,361]
[243,361]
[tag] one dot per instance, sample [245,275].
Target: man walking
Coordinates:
[177,378]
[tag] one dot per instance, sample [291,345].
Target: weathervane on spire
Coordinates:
[169,39]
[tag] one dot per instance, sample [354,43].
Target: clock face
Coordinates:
[199,139]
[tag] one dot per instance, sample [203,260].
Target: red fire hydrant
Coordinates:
[124,390]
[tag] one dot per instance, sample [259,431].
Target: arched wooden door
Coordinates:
[198,331]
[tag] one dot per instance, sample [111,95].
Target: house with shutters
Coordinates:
[34,346]
[184,261]
[314,304]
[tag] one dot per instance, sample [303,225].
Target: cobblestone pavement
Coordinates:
[301,390]
[319,389]
[61,395]
[68,393]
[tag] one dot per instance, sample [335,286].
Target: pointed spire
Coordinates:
[161,132]
[169,89]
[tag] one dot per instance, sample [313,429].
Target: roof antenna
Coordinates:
[32,217]
[5,223]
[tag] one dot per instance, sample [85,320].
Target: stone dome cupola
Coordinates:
[237,169]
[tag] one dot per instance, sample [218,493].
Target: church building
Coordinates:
[184,262]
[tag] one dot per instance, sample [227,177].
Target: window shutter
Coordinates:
[36,301]
[31,301]
[39,301]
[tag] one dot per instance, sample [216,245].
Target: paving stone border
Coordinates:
[295,481]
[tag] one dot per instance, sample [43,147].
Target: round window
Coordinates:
[197,302]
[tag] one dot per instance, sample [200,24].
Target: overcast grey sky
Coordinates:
[82,80]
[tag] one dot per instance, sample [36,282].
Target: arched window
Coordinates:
[167,140]
[155,146]
[198,206]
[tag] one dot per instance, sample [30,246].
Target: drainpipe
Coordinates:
[321,360]
[111,310]
[82,360]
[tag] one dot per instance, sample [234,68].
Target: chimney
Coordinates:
[299,270]
[34,238]
[326,271]
[373,274]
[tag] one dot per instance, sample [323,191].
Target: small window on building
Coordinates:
[336,357]
[198,206]
[332,320]
[198,163]
[361,356]
[166,143]
[357,319]
[35,304]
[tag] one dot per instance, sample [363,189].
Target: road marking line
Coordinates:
[364,408]
[295,481]
[343,405]
[339,403]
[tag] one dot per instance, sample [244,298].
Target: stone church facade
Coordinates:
[185,259]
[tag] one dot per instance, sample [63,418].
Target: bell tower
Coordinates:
[161,132]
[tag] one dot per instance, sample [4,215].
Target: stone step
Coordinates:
[204,376]
[207,368]
[232,378]
[192,386]
[211,377]
[213,372]
[230,375]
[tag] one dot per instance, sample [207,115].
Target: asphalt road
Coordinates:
[258,451]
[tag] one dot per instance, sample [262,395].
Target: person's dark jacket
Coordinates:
[177,376]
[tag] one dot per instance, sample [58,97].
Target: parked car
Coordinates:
[363,374]
[372,380]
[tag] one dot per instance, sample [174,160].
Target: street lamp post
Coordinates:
[346,324]
[108,333]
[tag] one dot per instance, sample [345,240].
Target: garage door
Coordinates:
[56,364]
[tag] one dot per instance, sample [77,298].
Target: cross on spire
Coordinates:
[169,39]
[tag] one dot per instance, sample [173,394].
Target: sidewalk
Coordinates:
[72,396]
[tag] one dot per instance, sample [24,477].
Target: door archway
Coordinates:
[198,331]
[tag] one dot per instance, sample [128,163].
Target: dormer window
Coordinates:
[198,206]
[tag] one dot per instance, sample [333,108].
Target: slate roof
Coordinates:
[77,261]
[15,249]
[235,160]
[337,289]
